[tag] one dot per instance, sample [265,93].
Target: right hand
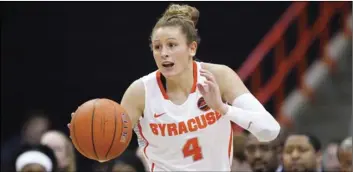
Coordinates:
[69,125]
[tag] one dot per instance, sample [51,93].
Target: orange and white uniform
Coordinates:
[187,137]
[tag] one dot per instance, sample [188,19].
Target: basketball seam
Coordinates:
[92,131]
[73,127]
[111,145]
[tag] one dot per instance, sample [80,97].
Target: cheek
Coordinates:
[286,160]
[249,156]
[156,56]
[180,53]
[269,156]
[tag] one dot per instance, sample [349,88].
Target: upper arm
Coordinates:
[133,101]
[230,84]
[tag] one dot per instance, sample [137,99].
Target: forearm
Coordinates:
[248,112]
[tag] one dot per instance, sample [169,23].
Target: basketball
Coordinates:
[100,129]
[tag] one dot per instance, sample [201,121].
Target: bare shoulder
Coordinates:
[135,92]
[213,66]
[219,70]
[230,84]
[133,100]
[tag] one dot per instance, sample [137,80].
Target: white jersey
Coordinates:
[187,137]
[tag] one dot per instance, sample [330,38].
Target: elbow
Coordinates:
[269,133]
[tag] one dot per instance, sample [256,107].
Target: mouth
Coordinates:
[167,64]
[297,167]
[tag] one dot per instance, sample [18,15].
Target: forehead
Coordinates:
[164,33]
[298,140]
[252,140]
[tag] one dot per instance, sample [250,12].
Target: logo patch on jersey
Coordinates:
[158,115]
[201,104]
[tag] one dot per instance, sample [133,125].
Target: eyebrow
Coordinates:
[167,39]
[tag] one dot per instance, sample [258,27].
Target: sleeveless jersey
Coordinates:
[186,137]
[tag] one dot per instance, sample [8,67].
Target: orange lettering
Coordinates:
[204,123]
[162,127]
[192,128]
[172,128]
[182,128]
[210,116]
[218,115]
[154,128]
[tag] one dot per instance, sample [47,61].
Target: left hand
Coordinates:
[211,93]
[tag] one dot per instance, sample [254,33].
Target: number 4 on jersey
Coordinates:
[192,148]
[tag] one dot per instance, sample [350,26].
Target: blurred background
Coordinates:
[295,57]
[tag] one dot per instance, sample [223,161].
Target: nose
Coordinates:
[164,52]
[257,154]
[295,155]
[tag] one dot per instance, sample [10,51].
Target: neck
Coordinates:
[183,81]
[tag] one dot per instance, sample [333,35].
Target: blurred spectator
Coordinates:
[63,149]
[262,156]
[239,160]
[38,158]
[329,157]
[102,167]
[139,154]
[32,130]
[301,153]
[128,162]
[345,155]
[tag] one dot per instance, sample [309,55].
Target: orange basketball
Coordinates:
[100,129]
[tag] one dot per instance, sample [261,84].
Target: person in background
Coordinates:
[32,130]
[62,148]
[139,154]
[329,156]
[239,159]
[345,155]
[128,162]
[38,158]
[301,153]
[262,156]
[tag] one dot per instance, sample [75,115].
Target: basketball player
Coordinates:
[181,111]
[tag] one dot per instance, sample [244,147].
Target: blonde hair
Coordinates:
[68,148]
[183,16]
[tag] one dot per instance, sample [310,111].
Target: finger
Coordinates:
[208,75]
[211,86]
[72,114]
[68,125]
[201,89]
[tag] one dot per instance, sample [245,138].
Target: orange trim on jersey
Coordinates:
[143,137]
[152,168]
[161,87]
[230,145]
[236,128]
[194,67]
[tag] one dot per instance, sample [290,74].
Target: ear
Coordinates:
[193,48]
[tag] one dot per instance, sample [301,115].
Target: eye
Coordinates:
[250,148]
[265,147]
[288,150]
[156,47]
[301,149]
[171,45]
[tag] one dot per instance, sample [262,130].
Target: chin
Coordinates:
[168,73]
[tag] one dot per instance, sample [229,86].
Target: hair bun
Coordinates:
[182,11]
